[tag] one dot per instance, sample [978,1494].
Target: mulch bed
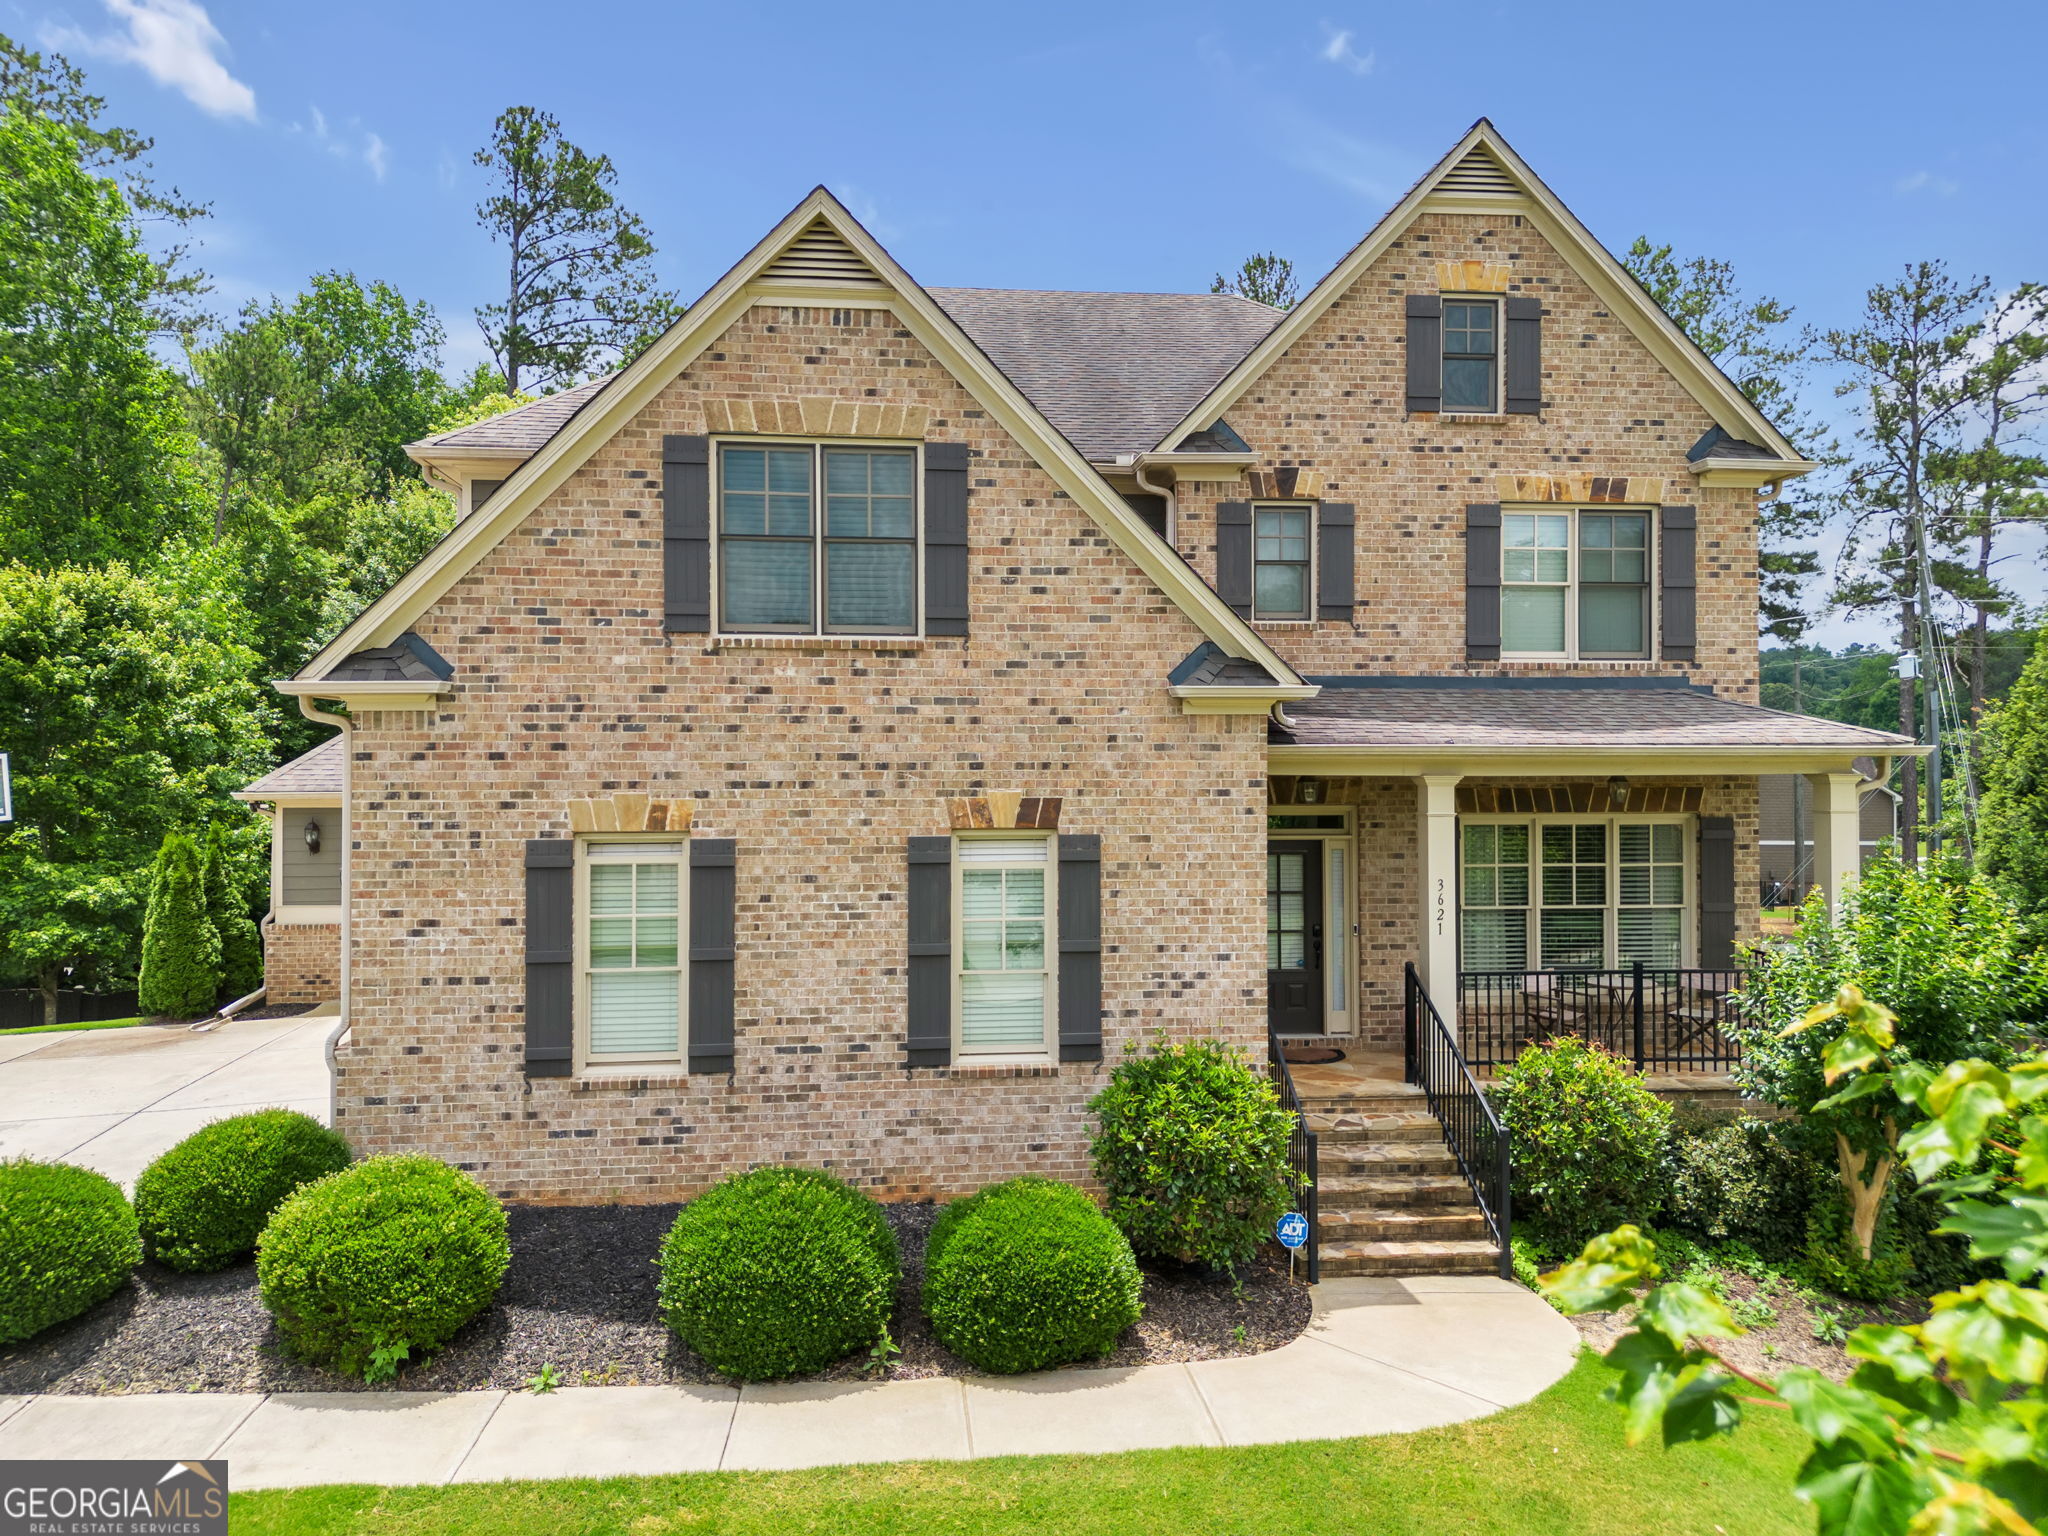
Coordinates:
[1770,1348]
[581,1296]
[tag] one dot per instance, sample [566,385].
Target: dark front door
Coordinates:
[1294,938]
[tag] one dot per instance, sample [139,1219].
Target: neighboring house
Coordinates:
[1786,846]
[837,736]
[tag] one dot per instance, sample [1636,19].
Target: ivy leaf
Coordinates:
[1701,1408]
[1869,1085]
[1910,1080]
[2014,1232]
[2030,1080]
[1991,1335]
[1681,1312]
[1605,1274]
[1858,1495]
[1969,1509]
[1832,1413]
[2031,1166]
[1653,1371]
[1894,1364]
[1854,1051]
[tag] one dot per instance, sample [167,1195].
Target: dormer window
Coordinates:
[1471,355]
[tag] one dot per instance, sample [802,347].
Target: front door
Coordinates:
[1294,938]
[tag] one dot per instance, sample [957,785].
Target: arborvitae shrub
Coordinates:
[180,949]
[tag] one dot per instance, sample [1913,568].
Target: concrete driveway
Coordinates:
[112,1099]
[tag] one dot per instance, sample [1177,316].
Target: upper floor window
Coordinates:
[1281,554]
[1471,355]
[1006,979]
[631,942]
[817,538]
[1575,585]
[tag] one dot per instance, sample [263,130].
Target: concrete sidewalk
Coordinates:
[1381,1356]
[113,1099]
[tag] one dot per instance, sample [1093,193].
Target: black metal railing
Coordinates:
[1661,1018]
[1472,1130]
[1301,1154]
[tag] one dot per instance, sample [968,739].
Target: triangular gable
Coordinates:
[818,251]
[1483,174]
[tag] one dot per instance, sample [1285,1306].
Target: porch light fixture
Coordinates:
[1308,791]
[1617,792]
[312,835]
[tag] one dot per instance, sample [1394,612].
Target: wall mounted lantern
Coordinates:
[312,835]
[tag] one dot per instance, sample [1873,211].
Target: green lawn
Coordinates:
[1554,1465]
[55,1029]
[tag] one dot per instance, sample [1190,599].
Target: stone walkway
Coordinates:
[1382,1356]
[113,1099]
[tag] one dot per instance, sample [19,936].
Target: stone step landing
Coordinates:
[1351,1257]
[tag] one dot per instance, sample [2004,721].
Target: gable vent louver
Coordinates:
[819,256]
[1478,172]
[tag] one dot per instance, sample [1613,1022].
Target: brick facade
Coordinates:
[821,760]
[301,962]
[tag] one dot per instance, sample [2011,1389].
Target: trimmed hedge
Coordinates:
[203,1204]
[1192,1149]
[393,1254]
[777,1272]
[67,1242]
[1028,1274]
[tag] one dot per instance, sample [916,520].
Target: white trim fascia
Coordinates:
[305,917]
[1749,473]
[1588,260]
[1411,762]
[1192,467]
[701,325]
[380,693]
[1237,698]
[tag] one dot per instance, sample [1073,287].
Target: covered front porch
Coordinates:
[1552,856]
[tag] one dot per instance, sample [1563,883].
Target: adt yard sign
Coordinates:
[1292,1230]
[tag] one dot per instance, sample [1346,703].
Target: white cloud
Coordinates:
[351,141]
[1926,181]
[1360,166]
[1337,50]
[375,156]
[177,43]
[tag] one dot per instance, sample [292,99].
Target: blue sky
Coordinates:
[1126,146]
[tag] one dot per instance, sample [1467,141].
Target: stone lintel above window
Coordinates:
[1632,490]
[1004,810]
[817,416]
[625,812]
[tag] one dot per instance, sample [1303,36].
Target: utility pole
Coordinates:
[1930,695]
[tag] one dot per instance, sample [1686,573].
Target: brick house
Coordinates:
[835,736]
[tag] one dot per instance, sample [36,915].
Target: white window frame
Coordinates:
[1309,510]
[1688,921]
[1049,1050]
[586,847]
[1571,650]
[817,445]
[1500,352]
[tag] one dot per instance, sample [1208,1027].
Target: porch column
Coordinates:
[1838,833]
[1436,843]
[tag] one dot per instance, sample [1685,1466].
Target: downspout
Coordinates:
[344,724]
[1165,493]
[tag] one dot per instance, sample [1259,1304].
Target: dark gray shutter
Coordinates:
[1336,559]
[1525,354]
[711,953]
[1425,352]
[1679,599]
[1080,978]
[1717,893]
[1482,583]
[928,1039]
[550,957]
[945,538]
[686,534]
[1234,555]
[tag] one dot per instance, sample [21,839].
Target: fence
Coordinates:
[24,1009]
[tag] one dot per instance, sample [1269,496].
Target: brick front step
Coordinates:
[1352,1125]
[1375,1103]
[1409,1258]
[1384,1159]
[1379,1187]
[1402,1224]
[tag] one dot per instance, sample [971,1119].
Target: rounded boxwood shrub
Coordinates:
[67,1241]
[203,1204]
[1028,1274]
[381,1262]
[1192,1146]
[1739,1177]
[778,1271]
[1587,1139]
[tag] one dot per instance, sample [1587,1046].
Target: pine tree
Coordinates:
[180,950]
[241,947]
[2012,824]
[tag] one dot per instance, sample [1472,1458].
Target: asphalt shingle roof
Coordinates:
[1415,716]
[312,773]
[524,429]
[1113,371]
